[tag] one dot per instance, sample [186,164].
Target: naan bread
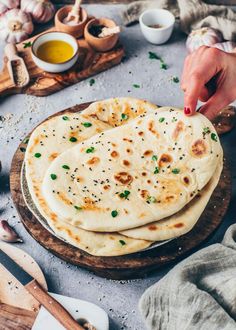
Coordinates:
[53,137]
[182,222]
[161,160]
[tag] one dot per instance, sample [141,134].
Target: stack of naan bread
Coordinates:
[122,174]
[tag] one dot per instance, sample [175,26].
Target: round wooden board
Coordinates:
[128,266]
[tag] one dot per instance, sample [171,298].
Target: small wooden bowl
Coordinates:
[101,44]
[77,30]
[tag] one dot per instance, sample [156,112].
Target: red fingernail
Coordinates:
[187,110]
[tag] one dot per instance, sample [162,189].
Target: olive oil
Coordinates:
[55,51]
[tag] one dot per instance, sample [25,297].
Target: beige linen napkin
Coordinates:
[197,294]
[193,14]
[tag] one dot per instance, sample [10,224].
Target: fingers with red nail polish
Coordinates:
[209,75]
[187,111]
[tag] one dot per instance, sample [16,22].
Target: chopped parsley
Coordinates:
[161,119]
[87,124]
[26,141]
[91,82]
[151,199]
[53,176]
[72,139]
[214,137]
[154,157]
[124,194]
[122,242]
[37,155]
[124,116]
[156,170]
[66,167]
[79,208]
[173,120]
[175,79]
[206,130]
[153,56]
[27,44]
[22,149]
[163,65]
[136,86]
[65,118]
[90,150]
[175,171]
[114,213]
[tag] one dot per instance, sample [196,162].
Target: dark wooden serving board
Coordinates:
[43,83]
[133,265]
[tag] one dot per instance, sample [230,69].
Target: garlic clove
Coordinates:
[8,234]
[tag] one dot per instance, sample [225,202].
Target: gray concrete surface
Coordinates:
[118,298]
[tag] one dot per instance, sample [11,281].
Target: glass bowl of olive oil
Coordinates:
[55,51]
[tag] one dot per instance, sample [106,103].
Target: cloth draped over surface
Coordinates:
[192,14]
[198,294]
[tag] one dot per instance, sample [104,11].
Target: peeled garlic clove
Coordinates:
[8,234]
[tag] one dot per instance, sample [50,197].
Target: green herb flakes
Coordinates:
[90,150]
[214,137]
[206,130]
[136,86]
[154,158]
[153,56]
[122,242]
[65,118]
[91,82]
[175,79]
[124,116]
[53,176]
[72,139]
[27,44]
[151,199]
[114,213]
[163,65]
[87,124]
[66,167]
[26,141]
[37,155]
[78,208]
[22,149]
[175,171]
[156,170]
[161,119]
[124,194]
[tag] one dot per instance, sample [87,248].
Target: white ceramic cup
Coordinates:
[52,67]
[162,17]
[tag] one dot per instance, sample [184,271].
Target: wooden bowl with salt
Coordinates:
[75,29]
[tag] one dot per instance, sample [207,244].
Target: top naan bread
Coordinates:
[135,174]
[53,137]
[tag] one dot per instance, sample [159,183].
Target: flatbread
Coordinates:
[182,222]
[50,139]
[163,159]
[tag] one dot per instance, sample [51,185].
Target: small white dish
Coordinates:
[162,17]
[52,67]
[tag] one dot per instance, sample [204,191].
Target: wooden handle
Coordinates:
[10,51]
[76,7]
[53,306]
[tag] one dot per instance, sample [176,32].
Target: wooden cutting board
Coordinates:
[43,83]
[18,309]
[128,266]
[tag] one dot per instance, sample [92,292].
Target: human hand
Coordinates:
[209,75]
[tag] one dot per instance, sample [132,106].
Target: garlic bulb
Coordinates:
[15,26]
[202,37]
[227,46]
[41,10]
[8,4]
[8,234]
